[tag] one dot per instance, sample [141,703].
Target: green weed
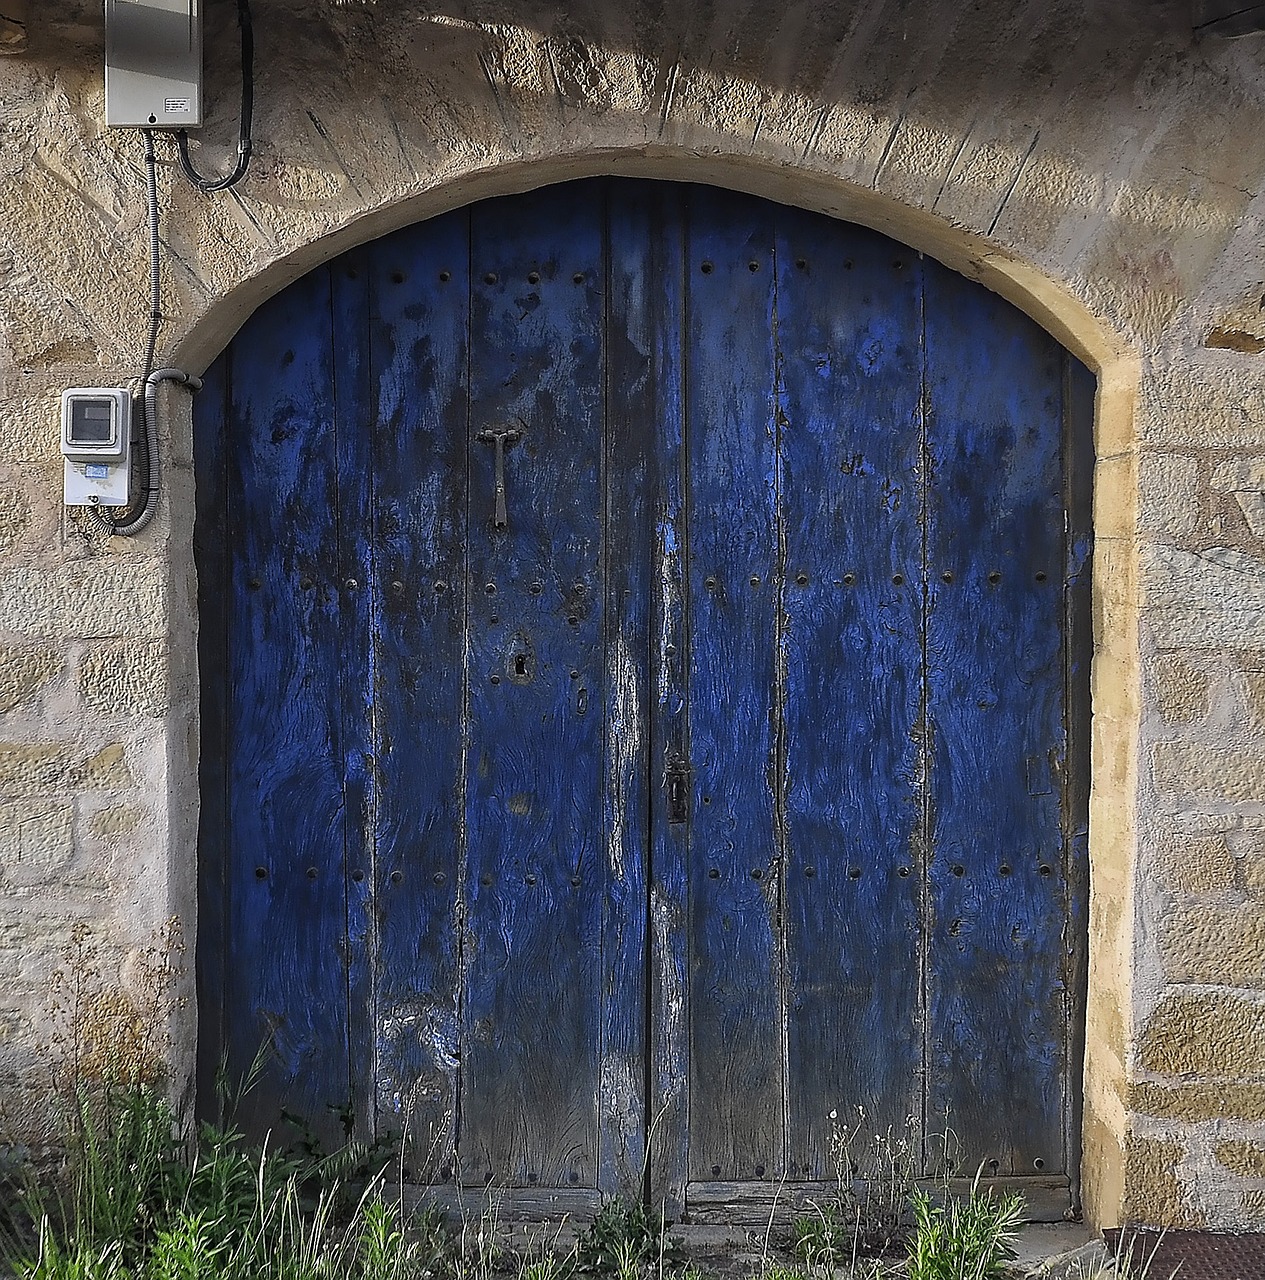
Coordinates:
[624,1236]
[963,1239]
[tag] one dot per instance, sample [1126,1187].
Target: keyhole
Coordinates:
[520,661]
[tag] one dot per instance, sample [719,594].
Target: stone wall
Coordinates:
[1091,162]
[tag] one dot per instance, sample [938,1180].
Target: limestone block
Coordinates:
[118,820]
[15,515]
[1191,863]
[26,768]
[1254,875]
[1197,1103]
[30,426]
[1211,944]
[124,679]
[25,670]
[1245,479]
[1153,1190]
[105,771]
[1204,599]
[1182,690]
[1247,1159]
[1213,402]
[90,598]
[1168,487]
[36,840]
[1195,769]
[1210,1034]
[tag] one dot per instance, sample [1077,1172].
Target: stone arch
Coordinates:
[1052,304]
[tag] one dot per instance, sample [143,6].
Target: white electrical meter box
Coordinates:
[96,442]
[153,63]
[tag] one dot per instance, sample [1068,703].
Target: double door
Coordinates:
[643,703]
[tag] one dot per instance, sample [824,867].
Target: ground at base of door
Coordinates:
[1044,1251]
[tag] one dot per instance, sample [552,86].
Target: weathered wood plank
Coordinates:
[646,420]
[352,412]
[211,555]
[285,971]
[1079,387]
[848,325]
[642,1076]
[736,1121]
[488,1208]
[995,671]
[419,280]
[754,1204]
[537,878]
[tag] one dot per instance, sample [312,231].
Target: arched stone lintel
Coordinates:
[1115,678]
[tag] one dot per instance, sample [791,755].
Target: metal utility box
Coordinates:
[153,63]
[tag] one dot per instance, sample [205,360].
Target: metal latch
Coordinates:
[676,782]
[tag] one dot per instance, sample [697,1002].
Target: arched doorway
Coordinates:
[644,648]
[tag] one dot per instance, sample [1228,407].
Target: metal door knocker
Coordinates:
[502,438]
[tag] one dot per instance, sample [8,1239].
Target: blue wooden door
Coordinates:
[644,703]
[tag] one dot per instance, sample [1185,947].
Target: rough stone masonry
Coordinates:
[1095,163]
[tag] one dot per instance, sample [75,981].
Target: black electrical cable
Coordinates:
[129,520]
[244,122]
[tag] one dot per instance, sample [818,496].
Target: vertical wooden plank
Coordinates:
[211,555]
[646,654]
[419,282]
[849,324]
[995,666]
[1078,481]
[285,967]
[736,1034]
[354,580]
[537,875]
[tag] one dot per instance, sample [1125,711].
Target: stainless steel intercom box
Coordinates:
[153,63]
